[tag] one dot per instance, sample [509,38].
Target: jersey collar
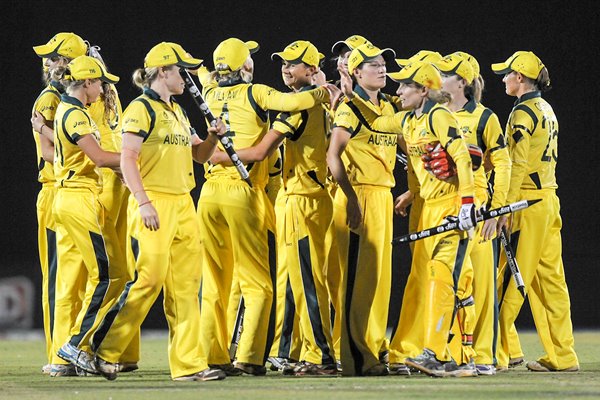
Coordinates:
[231,82]
[71,100]
[56,85]
[307,88]
[428,106]
[470,106]
[363,95]
[529,95]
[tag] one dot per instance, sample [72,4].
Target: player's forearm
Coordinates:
[459,153]
[502,170]
[204,150]
[295,101]
[132,176]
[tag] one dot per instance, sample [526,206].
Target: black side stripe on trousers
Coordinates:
[353,247]
[514,241]
[110,316]
[289,312]
[496,251]
[52,263]
[459,261]
[312,302]
[99,292]
[273,272]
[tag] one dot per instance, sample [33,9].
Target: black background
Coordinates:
[563,34]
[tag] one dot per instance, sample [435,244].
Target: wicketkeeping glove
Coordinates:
[467,218]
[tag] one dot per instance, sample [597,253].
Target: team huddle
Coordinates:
[286,258]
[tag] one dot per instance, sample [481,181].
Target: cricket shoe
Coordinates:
[81,359]
[310,369]
[106,369]
[460,371]
[289,367]
[209,374]
[127,367]
[377,370]
[229,369]
[516,362]
[485,369]
[399,369]
[539,366]
[250,369]
[57,370]
[46,369]
[427,363]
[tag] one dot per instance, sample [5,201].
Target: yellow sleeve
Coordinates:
[78,124]
[271,99]
[495,142]
[46,105]
[518,130]
[203,76]
[136,119]
[287,124]
[445,127]
[388,123]
[345,118]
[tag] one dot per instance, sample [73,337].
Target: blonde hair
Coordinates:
[220,73]
[439,96]
[475,89]
[109,98]
[143,77]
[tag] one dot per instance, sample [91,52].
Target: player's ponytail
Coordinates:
[143,77]
[475,89]
[543,80]
[439,96]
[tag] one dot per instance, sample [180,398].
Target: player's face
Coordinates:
[173,80]
[452,84]
[94,89]
[296,75]
[372,74]
[410,95]
[511,82]
[342,60]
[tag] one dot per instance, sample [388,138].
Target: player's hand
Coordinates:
[488,231]
[345,81]
[37,121]
[217,128]
[335,95]
[219,157]
[402,202]
[149,216]
[467,218]
[503,222]
[319,78]
[353,213]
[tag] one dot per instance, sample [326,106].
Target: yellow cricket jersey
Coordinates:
[243,107]
[435,124]
[479,125]
[165,160]
[72,167]
[305,163]
[46,104]
[110,128]
[370,155]
[532,132]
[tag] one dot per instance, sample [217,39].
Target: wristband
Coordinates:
[467,200]
[144,203]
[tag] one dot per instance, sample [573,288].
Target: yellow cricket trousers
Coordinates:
[237,233]
[365,259]
[47,255]
[538,246]
[83,235]
[167,259]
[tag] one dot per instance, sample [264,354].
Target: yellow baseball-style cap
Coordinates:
[366,52]
[422,55]
[86,67]
[300,51]
[352,42]
[422,72]
[472,60]
[66,44]
[524,62]
[458,65]
[168,53]
[233,53]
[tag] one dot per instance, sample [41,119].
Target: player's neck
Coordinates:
[458,102]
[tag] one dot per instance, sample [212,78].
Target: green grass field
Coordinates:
[20,378]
